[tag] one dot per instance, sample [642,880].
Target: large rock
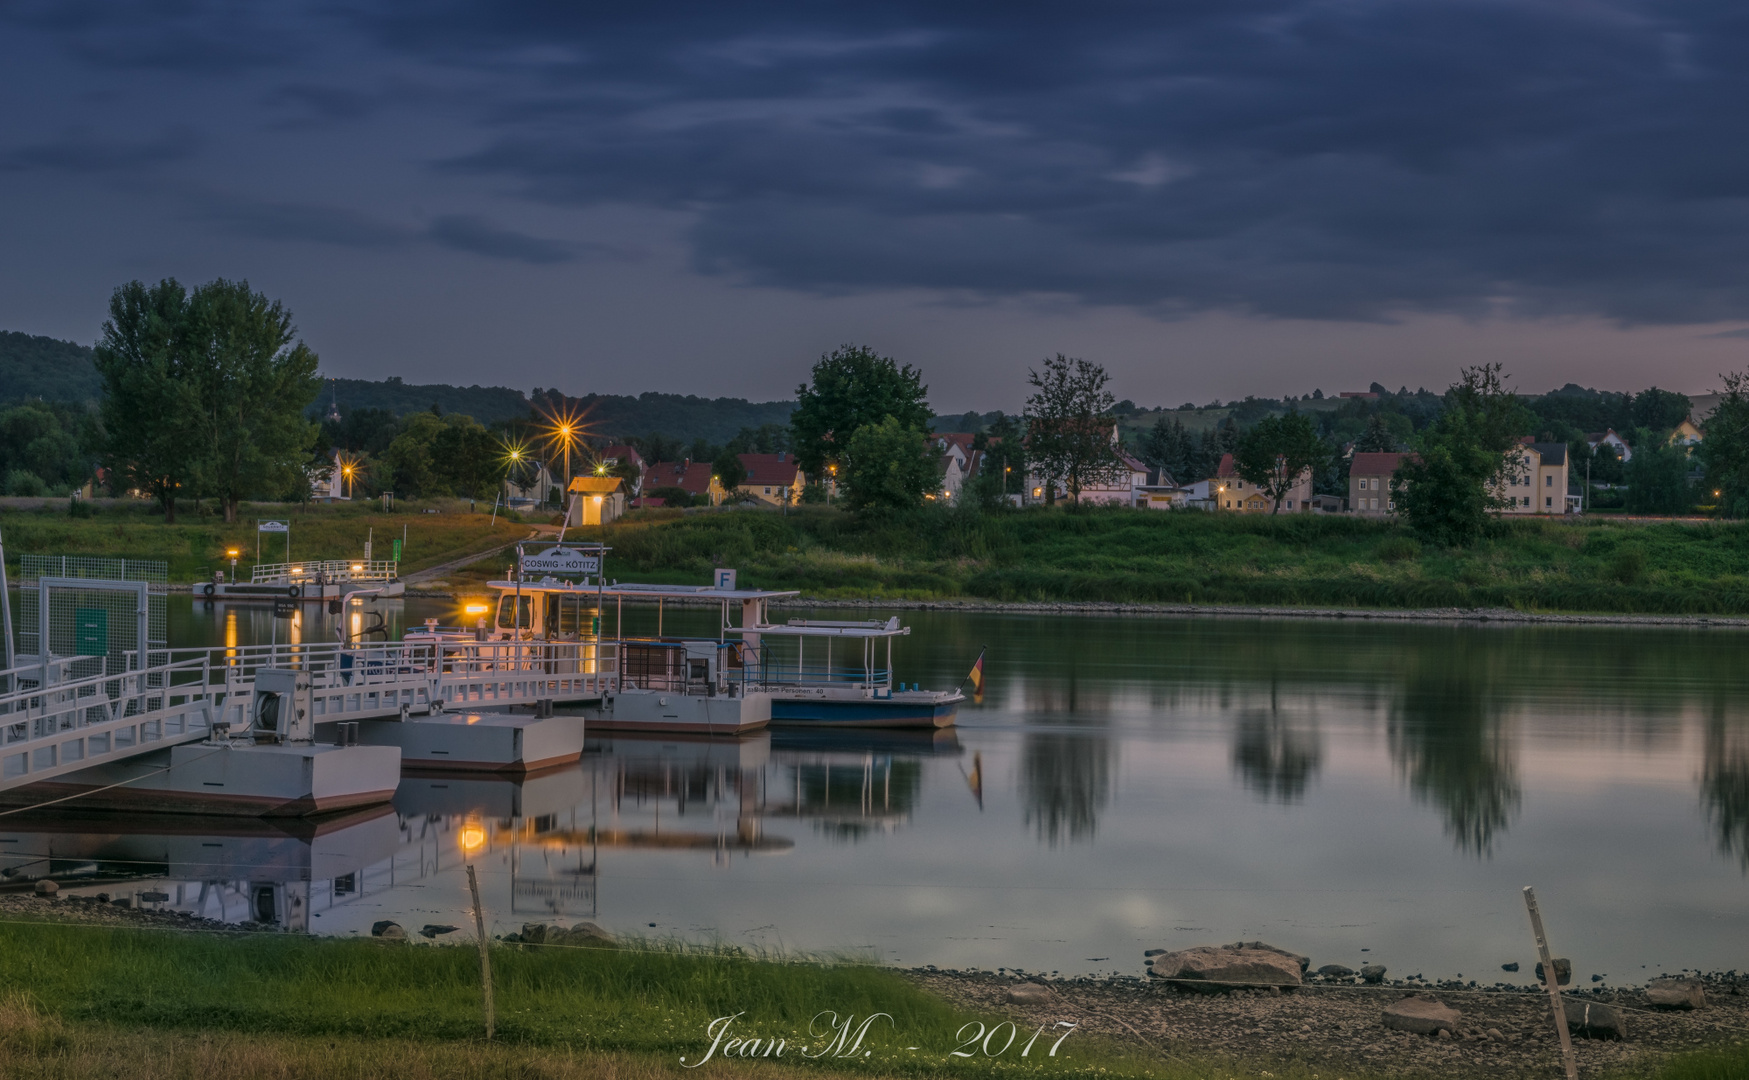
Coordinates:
[1421,1014]
[388,931]
[1594,1019]
[1242,963]
[533,933]
[1563,972]
[1336,971]
[1676,993]
[1030,994]
[1303,961]
[584,934]
[45,887]
[1372,973]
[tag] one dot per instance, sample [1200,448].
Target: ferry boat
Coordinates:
[804,671]
[310,581]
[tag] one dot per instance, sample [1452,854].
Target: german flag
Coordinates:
[976,675]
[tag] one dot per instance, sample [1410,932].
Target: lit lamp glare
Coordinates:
[473,838]
[476,609]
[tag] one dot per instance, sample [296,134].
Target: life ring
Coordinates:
[295,591]
[210,589]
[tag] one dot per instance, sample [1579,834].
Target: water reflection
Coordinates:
[1276,755]
[1065,783]
[1724,786]
[1448,739]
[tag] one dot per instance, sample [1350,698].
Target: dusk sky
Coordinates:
[1211,199]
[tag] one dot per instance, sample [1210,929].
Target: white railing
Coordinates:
[74,723]
[332,570]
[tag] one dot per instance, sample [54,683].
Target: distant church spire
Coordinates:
[333,416]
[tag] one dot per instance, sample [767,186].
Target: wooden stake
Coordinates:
[486,954]
[1550,980]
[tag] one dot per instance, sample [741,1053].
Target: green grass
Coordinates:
[1117,555]
[195,546]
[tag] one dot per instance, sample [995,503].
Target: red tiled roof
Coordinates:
[1226,466]
[1376,463]
[956,438]
[623,452]
[775,470]
[692,477]
[649,501]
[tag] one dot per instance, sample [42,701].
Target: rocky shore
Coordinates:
[1336,1019]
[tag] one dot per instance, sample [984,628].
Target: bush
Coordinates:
[1627,565]
[670,496]
[1399,549]
[25,482]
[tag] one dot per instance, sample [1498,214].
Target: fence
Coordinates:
[330,570]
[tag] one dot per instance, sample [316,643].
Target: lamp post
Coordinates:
[832,483]
[233,553]
[346,471]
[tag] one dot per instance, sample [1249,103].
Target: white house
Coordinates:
[1609,438]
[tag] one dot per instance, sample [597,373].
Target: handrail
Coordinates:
[330,569]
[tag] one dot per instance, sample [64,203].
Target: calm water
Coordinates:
[1355,792]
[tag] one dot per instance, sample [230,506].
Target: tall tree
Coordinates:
[889,466]
[1377,438]
[1277,452]
[1725,450]
[252,385]
[148,410]
[1069,426]
[1462,461]
[1657,477]
[852,388]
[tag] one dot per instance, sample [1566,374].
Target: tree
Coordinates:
[148,408]
[1069,426]
[1168,446]
[1377,438]
[889,466]
[1725,451]
[1658,411]
[853,388]
[251,385]
[467,458]
[1657,477]
[728,469]
[1277,452]
[1446,490]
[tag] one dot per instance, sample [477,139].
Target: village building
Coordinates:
[530,484]
[1233,492]
[595,500]
[1122,486]
[1369,483]
[626,455]
[1615,442]
[1687,433]
[773,479]
[1539,481]
[693,477]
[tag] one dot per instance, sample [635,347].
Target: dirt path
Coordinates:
[440,569]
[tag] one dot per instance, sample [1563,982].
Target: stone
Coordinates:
[1030,994]
[431,930]
[583,935]
[1373,973]
[45,887]
[388,930]
[1336,971]
[1509,967]
[1304,961]
[1594,1019]
[1239,963]
[1421,1014]
[1442,1033]
[1563,972]
[1676,993]
[534,933]
[1495,1036]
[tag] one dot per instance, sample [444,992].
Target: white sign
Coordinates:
[726,580]
[561,560]
[274,526]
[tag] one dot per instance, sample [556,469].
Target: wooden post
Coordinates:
[486,954]
[1550,980]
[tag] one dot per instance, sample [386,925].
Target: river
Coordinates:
[1358,792]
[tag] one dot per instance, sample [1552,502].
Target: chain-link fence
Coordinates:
[102,622]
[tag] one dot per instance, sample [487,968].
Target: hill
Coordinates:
[484,403]
[33,367]
[678,416]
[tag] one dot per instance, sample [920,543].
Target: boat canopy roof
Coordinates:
[827,628]
[630,591]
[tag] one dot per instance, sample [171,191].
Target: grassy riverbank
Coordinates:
[1140,556]
[82,1000]
[195,546]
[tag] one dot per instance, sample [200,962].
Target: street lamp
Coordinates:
[233,553]
[346,470]
[832,484]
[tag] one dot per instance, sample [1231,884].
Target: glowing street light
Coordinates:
[233,553]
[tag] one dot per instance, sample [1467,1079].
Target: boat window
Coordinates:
[569,615]
[507,605]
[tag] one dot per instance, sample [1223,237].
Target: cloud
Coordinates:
[86,152]
[464,232]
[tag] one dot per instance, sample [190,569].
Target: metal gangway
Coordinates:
[332,571]
[56,720]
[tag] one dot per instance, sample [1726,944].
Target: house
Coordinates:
[1687,433]
[530,484]
[774,479]
[1539,483]
[1615,442]
[1120,488]
[956,444]
[1234,492]
[1369,483]
[595,500]
[328,482]
[624,454]
[693,477]
[1160,492]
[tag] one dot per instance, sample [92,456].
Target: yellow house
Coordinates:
[595,500]
[1686,434]
[1231,492]
[1540,483]
[772,478]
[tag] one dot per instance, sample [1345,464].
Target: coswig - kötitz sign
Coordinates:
[560,560]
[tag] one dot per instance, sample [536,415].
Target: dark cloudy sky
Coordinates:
[1211,198]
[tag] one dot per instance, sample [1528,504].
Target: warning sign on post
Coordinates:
[561,561]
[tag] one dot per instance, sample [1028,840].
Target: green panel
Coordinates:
[397,551]
[90,632]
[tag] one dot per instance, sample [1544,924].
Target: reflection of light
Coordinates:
[473,838]
[356,567]
[231,630]
[357,623]
[476,609]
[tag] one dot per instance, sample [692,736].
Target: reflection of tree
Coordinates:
[849,800]
[1276,758]
[1446,736]
[1065,781]
[1724,787]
